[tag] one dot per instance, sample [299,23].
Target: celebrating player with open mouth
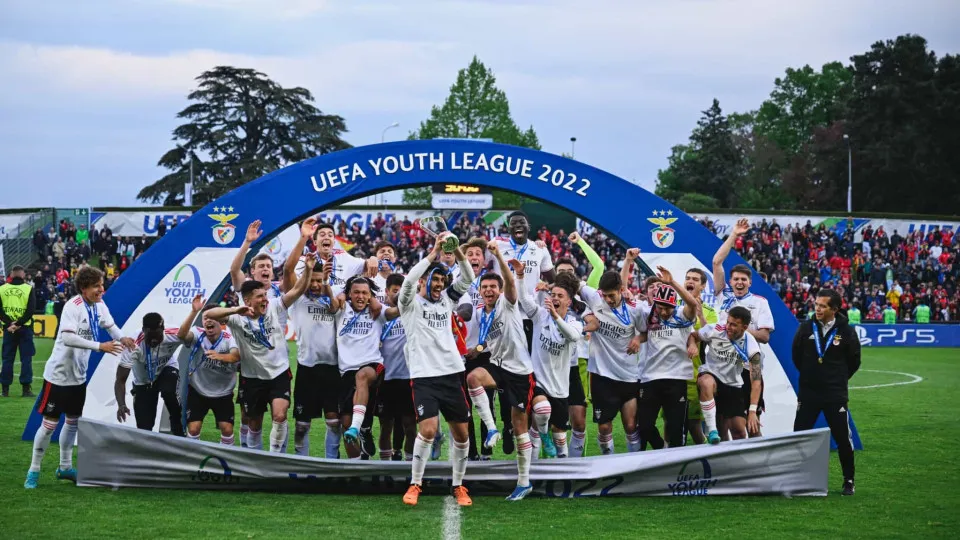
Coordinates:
[510,370]
[435,363]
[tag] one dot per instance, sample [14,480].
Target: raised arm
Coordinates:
[303,281]
[625,273]
[719,276]
[528,305]
[236,266]
[462,285]
[184,334]
[690,302]
[509,284]
[596,263]
[220,314]
[307,229]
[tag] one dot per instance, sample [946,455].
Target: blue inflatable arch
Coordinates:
[288,195]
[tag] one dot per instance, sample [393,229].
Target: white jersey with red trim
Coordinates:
[665,353]
[316,332]
[760,315]
[505,339]
[345,266]
[212,378]
[67,365]
[535,259]
[609,343]
[262,342]
[724,359]
[146,363]
[273,292]
[358,338]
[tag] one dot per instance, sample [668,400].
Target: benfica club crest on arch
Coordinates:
[663,235]
[223,231]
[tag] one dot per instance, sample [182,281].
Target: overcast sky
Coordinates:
[89,90]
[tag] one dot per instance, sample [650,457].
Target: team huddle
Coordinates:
[464,326]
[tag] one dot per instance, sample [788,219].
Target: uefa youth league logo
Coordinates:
[223,231]
[663,235]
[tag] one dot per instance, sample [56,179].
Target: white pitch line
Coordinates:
[451,519]
[914,379]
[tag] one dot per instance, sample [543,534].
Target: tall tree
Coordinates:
[475,109]
[902,125]
[802,100]
[240,126]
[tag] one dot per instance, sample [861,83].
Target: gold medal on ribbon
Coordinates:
[479,348]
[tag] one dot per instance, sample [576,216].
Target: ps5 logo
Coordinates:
[920,337]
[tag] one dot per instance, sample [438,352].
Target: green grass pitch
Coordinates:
[905,487]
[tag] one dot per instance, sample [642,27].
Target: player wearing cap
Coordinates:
[85,318]
[666,365]
[728,347]
[212,372]
[155,375]
[737,293]
[435,364]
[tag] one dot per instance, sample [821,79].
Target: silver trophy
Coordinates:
[435,226]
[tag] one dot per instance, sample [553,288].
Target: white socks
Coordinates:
[535,442]
[255,440]
[278,435]
[605,442]
[68,438]
[560,441]
[301,438]
[40,442]
[421,454]
[458,459]
[479,398]
[332,441]
[226,441]
[193,437]
[541,416]
[709,414]
[244,435]
[524,451]
[359,412]
[577,444]
[633,442]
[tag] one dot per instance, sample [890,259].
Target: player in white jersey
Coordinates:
[613,363]
[556,333]
[343,265]
[386,254]
[316,390]
[395,402]
[261,270]
[475,252]
[359,320]
[85,318]
[435,364]
[155,375]
[577,399]
[510,370]
[728,347]
[667,366]
[265,365]
[737,293]
[212,372]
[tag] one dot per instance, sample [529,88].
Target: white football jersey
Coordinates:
[358,338]
[431,349]
[535,259]
[316,332]
[345,266]
[212,378]
[262,343]
[608,344]
[506,339]
[553,349]
[665,354]
[67,366]
[760,315]
[394,340]
[723,359]
[273,292]
[146,363]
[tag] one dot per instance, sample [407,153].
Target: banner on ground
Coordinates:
[909,335]
[791,464]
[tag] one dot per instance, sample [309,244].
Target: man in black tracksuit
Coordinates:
[826,352]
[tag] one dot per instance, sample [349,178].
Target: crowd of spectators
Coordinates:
[871,269]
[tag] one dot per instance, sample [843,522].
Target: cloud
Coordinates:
[284,9]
